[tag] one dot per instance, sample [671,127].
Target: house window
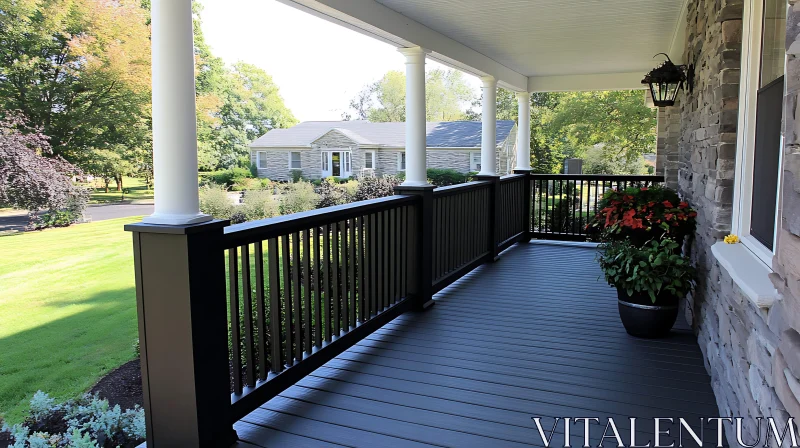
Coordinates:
[261,159]
[325,156]
[401,161]
[369,160]
[294,160]
[475,161]
[759,139]
[347,163]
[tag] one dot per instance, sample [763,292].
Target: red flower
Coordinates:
[651,203]
[683,205]
[668,204]
[643,189]
[668,216]
[692,214]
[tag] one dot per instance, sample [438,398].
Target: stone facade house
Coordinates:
[319,149]
[731,147]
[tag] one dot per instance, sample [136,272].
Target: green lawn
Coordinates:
[67,310]
[136,188]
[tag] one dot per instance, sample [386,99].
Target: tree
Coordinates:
[31,178]
[79,69]
[446,92]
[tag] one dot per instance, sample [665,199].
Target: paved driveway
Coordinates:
[17,222]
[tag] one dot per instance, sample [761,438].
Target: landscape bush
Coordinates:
[376,187]
[298,197]
[442,177]
[214,201]
[259,204]
[246,184]
[229,177]
[297,175]
[85,422]
[71,213]
[332,193]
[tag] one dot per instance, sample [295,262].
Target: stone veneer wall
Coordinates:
[752,353]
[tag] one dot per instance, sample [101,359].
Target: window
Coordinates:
[759,139]
[294,160]
[347,157]
[369,160]
[325,157]
[475,161]
[261,159]
[401,161]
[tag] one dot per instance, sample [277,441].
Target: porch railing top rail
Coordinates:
[511,177]
[252,231]
[602,177]
[459,188]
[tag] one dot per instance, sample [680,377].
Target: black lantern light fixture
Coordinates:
[666,80]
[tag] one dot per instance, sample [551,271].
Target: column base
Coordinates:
[176,219]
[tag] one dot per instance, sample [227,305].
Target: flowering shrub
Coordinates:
[649,212]
[298,197]
[86,422]
[376,187]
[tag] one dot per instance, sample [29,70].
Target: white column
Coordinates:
[416,171]
[524,131]
[489,127]
[174,119]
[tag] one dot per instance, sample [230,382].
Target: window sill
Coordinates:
[747,271]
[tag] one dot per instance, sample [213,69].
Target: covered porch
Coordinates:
[424,318]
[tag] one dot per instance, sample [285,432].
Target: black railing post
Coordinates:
[527,214]
[493,214]
[420,269]
[183,333]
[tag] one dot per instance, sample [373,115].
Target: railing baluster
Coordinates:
[345,311]
[373,265]
[335,251]
[276,361]
[326,303]
[353,283]
[249,341]
[233,290]
[392,235]
[307,322]
[297,298]
[386,268]
[362,272]
[317,289]
[261,310]
[286,259]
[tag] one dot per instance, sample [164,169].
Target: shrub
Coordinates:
[331,193]
[298,197]
[376,187]
[246,184]
[238,217]
[229,177]
[253,170]
[444,177]
[214,201]
[259,204]
[351,186]
[85,422]
[266,184]
[297,175]
[71,213]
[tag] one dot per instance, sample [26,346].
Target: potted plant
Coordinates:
[642,214]
[650,282]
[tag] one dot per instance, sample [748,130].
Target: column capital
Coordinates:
[414,54]
[489,81]
[523,96]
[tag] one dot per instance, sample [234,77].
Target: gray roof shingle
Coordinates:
[445,134]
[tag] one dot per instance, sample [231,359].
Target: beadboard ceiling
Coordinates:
[554,37]
[533,45]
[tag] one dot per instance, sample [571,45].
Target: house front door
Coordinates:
[336,164]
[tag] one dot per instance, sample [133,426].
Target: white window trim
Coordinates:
[746,135]
[400,167]
[290,160]
[258,159]
[369,155]
[472,165]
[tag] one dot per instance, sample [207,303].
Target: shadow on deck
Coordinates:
[532,335]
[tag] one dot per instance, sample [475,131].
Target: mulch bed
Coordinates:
[122,386]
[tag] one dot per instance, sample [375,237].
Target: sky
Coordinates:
[318,66]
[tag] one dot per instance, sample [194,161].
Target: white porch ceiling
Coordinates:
[531,45]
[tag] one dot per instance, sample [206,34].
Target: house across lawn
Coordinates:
[319,149]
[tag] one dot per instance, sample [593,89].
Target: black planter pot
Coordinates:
[644,319]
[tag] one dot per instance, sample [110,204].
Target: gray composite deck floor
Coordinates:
[532,335]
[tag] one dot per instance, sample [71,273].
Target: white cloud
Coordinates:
[319,66]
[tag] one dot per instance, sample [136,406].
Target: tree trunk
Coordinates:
[118,180]
[106,181]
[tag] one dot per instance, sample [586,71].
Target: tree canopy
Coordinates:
[446,94]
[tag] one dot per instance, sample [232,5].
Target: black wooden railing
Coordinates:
[230,316]
[460,230]
[563,204]
[299,285]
